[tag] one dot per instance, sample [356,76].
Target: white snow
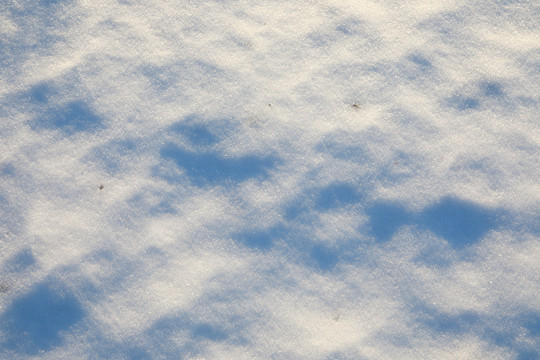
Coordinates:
[277,180]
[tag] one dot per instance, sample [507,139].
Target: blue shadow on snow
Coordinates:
[72,118]
[330,197]
[492,89]
[299,213]
[447,323]
[194,336]
[336,195]
[460,222]
[208,331]
[532,324]
[40,93]
[114,156]
[520,334]
[35,321]
[385,218]
[21,261]
[420,60]
[198,134]
[324,258]
[463,103]
[530,349]
[260,239]
[52,3]
[211,168]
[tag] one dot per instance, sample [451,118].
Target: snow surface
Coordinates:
[233,179]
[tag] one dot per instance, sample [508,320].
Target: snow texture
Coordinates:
[233,179]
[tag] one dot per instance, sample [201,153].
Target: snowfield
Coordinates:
[233,179]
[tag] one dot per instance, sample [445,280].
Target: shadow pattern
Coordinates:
[301,220]
[481,94]
[448,323]
[21,261]
[213,169]
[386,218]
[337,195]
[35,321]
[260,239]
[72,118]
[520,334]
[114,156]
[200,134]
[461,223]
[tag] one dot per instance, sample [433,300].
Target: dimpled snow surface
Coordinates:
[234,179]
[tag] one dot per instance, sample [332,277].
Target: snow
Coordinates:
[275,180]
